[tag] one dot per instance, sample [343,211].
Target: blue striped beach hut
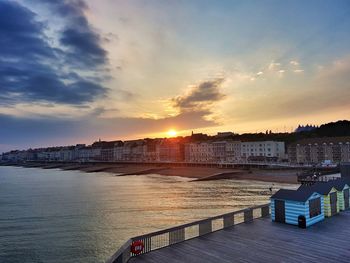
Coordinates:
[287,206]
[329,193]
[343,195]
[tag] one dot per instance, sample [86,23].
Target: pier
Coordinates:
[244,236]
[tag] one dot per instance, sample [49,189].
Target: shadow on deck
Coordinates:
[263,241]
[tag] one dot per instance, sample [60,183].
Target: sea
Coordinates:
[72,216]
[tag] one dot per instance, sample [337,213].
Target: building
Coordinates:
[133,151]
[233,151]
[11,156]
[306,128]
[263,151]
[320,150]
[88,154]
[67,153]
[118,151]
[171,150]
[150,150]
[199,152]
[297,206]
[137,151]
[106,151]
[195,148]
[219,151]
[224,134]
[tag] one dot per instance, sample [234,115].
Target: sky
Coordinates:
[74,71]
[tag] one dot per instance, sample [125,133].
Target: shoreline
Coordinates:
[195,173]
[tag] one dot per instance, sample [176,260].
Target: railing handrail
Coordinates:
[197,222]
[123,254]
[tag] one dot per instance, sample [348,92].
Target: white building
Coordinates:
[85,154]
[268,149]
[67,153]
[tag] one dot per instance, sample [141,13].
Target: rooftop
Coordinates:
[300,195]
[323,188]
[263,241]
[321,140]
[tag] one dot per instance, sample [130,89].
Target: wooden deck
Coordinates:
[263,241]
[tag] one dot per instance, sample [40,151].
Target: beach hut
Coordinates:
[330,195]
[297,207]
[342,193]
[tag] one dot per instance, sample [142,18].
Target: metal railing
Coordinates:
[174,235]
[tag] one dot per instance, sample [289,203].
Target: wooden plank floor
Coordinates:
[263,241]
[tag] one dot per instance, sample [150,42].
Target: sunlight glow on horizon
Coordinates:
[172,133]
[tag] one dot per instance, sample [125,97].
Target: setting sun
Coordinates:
[171,133]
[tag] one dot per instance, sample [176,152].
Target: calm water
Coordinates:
[70,216]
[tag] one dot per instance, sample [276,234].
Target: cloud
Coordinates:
[34,82]
[274,66]
[294,63]
[30,68]
[83,47]
[298,71]
[21,34]
[83,44]
[195,108]
[201,96]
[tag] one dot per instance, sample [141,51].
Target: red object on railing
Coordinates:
[137,247]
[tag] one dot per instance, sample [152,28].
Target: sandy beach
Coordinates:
[197,173]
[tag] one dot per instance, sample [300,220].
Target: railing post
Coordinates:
[265,211]
[229,221]
[148,244]
[248,215]
[205,227]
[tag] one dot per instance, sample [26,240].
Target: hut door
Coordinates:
[280,215]
[346,198]
[333,199]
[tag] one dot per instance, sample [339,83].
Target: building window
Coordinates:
[315,207]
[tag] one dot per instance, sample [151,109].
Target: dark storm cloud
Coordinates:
[201,96]
[34,82]
[21,34]
[30,67]
[84,47]
[82,42]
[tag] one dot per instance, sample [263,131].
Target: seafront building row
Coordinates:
[318,150]
[190,149]
[158,150]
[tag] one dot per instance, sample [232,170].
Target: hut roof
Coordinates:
[320,187]
[346,180]
[300,195]
[340,183]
